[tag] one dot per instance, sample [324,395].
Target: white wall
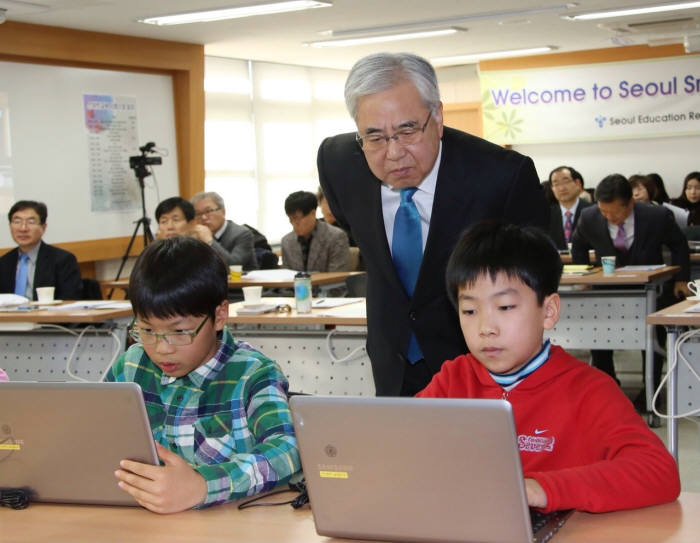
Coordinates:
[671,158]
[48,144]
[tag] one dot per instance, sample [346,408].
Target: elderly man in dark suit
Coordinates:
[567,185]
[34,263]
[407,187]
[234,242]
[636,234]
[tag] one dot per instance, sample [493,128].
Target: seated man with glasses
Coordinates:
[217,407]
[567,188]
[35,263]
[234,242]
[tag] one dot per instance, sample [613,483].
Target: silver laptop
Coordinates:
[63,441]
[413,469]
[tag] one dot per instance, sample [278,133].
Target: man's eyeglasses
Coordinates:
[207,211]
[176,339]
[409,135]
[31,221]
[562,182]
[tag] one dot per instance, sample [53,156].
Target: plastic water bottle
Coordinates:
[302,292]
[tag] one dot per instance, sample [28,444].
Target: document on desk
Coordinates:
[270,275]
[692,309]
[357,309]
[92,304]
[640,267]
[327,303]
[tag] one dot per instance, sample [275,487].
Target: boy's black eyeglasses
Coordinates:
[177,339]
[409,135]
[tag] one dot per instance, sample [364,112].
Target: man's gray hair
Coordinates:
[381,71]
[215,197]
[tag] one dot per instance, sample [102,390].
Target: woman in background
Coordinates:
[690,198]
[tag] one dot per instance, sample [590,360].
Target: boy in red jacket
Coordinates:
[582,444]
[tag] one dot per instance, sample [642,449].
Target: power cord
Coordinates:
[14,498]
[685,336]
[297,502]
[352,354]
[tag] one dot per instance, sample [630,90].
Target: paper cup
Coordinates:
[252,295]
[694,287]
[45,294]
[608,263]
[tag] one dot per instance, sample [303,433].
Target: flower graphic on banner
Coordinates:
[600,120]
[507,125]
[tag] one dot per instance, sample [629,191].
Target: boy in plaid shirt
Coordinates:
[217,408]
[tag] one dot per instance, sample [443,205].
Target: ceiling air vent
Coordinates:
[681,25]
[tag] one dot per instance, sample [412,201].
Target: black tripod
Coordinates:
[138,163]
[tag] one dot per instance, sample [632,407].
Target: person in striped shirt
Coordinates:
[217,407]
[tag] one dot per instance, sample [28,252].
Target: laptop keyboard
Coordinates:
[545,525]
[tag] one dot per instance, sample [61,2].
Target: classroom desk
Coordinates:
[674,318]
[302,345]
[33,348]
[325,280]
[676,522]
[608,316]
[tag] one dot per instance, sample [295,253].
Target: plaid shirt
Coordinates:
[229,418]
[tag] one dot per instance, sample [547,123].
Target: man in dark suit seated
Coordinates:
[313,245]
[35,263]
[407,186]
[232,241]
[636,234]
[567,185]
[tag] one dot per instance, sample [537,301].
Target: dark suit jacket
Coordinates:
[236,246]
[54,268]
[476,180]
[654,227]
[556,225]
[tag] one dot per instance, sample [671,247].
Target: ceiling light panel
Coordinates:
[236,12]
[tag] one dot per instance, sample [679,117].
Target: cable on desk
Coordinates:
[297,502]
[14,498]
[685,336]
[352,354]
[79,337]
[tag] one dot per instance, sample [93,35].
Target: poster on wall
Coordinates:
[6,183]
[112,135]
[615,100]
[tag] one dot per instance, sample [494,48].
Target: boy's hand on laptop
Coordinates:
[536,496]
[170,488]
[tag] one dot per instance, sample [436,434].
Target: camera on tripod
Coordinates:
[141,161]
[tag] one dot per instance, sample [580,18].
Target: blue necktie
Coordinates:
[407,253]
[21,280]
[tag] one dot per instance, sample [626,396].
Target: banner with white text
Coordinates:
[635,99]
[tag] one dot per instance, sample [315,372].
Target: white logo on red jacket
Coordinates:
[537,443]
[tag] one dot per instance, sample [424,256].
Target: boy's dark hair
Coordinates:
[300,200]
[180,276]
[614,187]
[39,207]
[493,247]
[167,205]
